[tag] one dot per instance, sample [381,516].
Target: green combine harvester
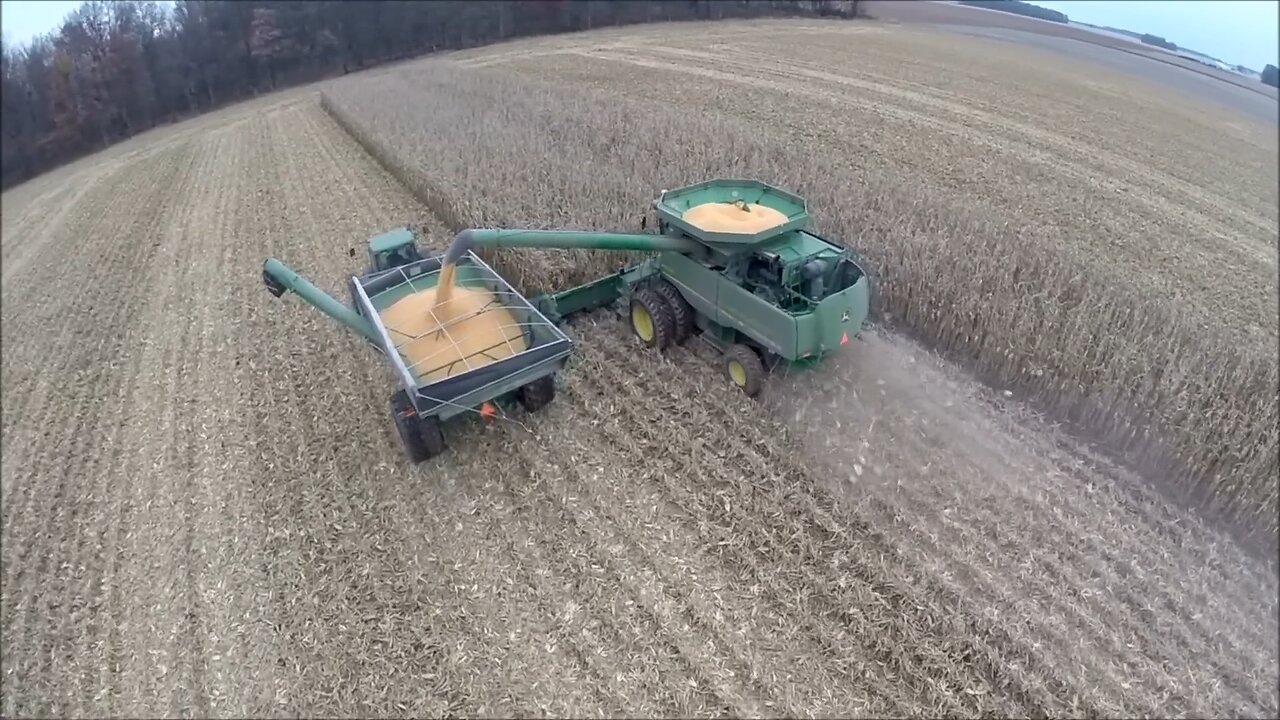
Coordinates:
[733,261]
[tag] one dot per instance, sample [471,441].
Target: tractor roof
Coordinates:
[390,240]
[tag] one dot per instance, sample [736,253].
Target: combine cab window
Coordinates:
[846,275]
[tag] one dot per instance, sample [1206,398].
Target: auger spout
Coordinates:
[279,278]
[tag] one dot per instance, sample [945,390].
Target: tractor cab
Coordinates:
[392,250]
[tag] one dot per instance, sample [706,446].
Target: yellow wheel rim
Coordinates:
[643,324]
[737,373]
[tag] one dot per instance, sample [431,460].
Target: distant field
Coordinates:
[943,13]
[1196,87]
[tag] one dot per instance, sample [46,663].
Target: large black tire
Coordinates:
[682,319]
[421,438]
[743,368]
[651,319]
[432,436]
[538,394]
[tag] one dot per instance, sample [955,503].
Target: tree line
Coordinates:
[1018,8]
[1158,41]
[114,69]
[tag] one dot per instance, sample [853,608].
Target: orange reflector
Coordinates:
[844,339]
[488,412]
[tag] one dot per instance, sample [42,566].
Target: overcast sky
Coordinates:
[1246,32]
[25,19]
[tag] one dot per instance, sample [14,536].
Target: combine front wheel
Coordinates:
[651,319]
[742,366]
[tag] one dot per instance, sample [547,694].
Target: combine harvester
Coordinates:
[734,262]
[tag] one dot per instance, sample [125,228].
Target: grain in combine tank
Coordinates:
[736,217]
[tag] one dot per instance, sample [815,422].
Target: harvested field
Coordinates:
[205,511]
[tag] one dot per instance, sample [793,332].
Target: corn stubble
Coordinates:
[1187,404]
[229,529]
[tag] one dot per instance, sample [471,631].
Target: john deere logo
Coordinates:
[845,317]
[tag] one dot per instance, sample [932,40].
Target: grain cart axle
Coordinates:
[732,260]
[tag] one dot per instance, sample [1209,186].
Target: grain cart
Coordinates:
[733,262]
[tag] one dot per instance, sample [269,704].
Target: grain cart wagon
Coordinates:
[733,261]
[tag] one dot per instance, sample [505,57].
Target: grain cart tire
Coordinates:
[651,319]
[681,310]
[422,438]
[538,394]
[743,368]
[432,435]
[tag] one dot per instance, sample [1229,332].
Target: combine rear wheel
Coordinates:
[681,310]
[538,394]
[743,367]
[651,319]
[421,438]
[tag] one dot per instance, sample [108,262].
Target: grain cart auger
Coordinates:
[733,261]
